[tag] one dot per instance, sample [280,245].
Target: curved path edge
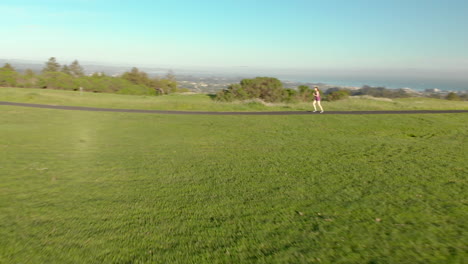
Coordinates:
[96,109]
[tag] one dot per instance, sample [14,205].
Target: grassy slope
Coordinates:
[203,102]
[84,187]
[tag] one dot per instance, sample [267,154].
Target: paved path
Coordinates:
[81,108]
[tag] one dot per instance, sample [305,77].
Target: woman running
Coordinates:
[317,99]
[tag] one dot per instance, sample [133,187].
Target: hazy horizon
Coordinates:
[416,79]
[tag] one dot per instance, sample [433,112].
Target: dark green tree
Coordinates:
[66,70]
[136,76]
[76,69]
[51,66]
[8,76]
[167,86]
[57,80]
[8,67]
[28,79]
[29,73]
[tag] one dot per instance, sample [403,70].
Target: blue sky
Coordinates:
[293,34]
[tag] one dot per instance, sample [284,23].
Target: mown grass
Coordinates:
[86,187]
[204,102]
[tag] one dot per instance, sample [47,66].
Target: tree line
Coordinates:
[137,82]
[72,77]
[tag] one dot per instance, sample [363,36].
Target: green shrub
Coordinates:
[453,97]
[57,80]
[464,96]
[305,93]
[224,96]
[8,78]
[290,96]
[338,95]
[381,92]
[266,88]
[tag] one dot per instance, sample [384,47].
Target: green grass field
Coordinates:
[96,187]
[203,102]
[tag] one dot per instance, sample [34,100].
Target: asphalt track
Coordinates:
[95,109]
